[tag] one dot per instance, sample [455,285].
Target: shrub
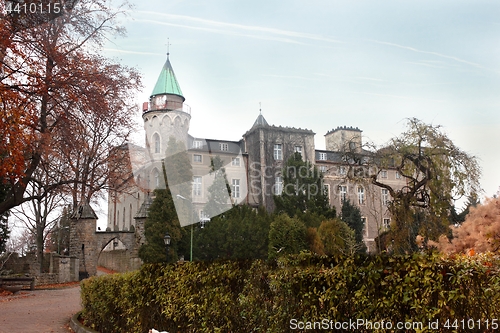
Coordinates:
[264,296]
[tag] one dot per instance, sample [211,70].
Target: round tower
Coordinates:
[165,115]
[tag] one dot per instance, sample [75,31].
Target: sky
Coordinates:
[322,64]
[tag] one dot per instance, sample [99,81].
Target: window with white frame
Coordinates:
[343,192]
[322,156]
[223,146]
[383,174]
[197,158]
[196,186]
[398,175]
[342,170]
[278,153]
[385,196]
[322,168]
[365,226]
[278,185]
[235,193]
[197,144]
[361,195]
[235,161]
[298,149]
[386,223]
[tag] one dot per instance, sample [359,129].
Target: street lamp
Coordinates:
[166,239]
[191,251]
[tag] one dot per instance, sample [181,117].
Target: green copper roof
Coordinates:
[167,83]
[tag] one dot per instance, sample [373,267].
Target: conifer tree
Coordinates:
[219,192]
[303,190]
[239,233]
[351,215]
[287,235]
[162,215]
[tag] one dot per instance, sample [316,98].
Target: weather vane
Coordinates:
[168,47]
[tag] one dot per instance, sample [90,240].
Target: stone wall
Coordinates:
[60,269]
[116,260]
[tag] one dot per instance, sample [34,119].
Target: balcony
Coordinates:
[168,106]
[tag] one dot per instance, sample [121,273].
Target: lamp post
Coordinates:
[191,250]
[166,239]
[202,223]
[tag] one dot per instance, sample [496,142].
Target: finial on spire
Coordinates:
[260,108]
[168,47]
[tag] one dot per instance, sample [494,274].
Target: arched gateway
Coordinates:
[87,244]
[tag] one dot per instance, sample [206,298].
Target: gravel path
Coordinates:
[40,311]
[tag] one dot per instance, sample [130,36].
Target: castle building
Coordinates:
[253,164]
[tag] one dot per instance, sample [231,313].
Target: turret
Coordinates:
[165,115]
[344,139]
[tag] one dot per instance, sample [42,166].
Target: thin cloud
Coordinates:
[131,52]
[223,32]
[394,96]
[290,77]
[424,64]
[369,78]
[230,27]
[470,63]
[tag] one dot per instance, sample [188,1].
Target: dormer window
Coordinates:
[223,146]
[197,144]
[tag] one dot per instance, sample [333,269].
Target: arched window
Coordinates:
[156,140]
[156,177]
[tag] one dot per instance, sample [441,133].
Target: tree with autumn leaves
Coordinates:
[480,232]
[63,106]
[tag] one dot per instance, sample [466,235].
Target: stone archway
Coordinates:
[118,251]
[87,244]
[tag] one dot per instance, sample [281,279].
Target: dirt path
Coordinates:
[41,311]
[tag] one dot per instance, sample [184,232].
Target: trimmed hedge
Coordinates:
[260,296]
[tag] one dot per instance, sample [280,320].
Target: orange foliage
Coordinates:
[62,105]
[479,233]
